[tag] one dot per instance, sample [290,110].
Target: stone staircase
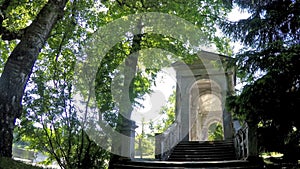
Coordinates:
[236,164]
[200,155]
[203,151]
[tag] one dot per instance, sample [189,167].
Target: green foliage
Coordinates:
[51,122]
[215,132]
[168,116]
[205,15]
[269,64]
[144,144]
[21,13]
[7,163]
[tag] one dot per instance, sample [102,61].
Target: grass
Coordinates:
[278,163]
[7,163]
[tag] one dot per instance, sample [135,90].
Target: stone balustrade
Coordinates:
[241,140]
[165,141]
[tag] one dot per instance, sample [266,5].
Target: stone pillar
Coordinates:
[204,133]
[158,138]
[123,142]
[227,125]
[127,139]
[252,141]
[253,156]
[185,124]
[236,125]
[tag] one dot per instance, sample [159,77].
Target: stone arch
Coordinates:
[209,123]
[203,86]
[194,80]
[205,108]
[213,120]
[214,131]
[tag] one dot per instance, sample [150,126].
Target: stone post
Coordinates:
[123,142]
[127,139]
[227,125]
[158,139]
[252,141]
[185,121]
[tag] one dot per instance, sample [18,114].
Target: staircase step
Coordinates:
[202,148]
[206,142]
[203,155]
[208,150]
[195,154]
[221,153]
[200,159]
[233,164]
[203,151]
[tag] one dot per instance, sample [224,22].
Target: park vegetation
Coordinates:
[42,42]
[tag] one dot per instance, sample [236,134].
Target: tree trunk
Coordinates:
[18,68]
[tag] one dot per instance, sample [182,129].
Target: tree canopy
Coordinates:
[42,40]
[269,66]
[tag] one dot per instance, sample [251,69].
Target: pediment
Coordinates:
[210,59]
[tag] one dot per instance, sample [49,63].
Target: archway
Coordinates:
[215,131]
[195,81]
[205,108]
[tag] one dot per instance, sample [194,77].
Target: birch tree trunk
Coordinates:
[18,68]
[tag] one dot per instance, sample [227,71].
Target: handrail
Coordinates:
[167,140]
[241,142]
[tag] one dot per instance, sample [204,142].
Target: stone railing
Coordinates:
[241,141]
[165,141]
[22,154]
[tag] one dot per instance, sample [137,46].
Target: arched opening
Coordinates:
[205,110]
[215,131]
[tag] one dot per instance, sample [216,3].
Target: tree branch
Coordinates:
[8,35]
